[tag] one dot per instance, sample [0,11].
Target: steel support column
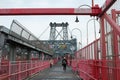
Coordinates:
[115,47]
[103,50]
[12,54]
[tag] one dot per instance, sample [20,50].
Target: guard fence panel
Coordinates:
[19,70]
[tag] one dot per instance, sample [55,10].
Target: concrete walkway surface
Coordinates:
[55,73]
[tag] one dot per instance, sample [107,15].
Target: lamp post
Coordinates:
[80,44]
[77,20]
[73,36]
[94,28]
[81,47]
[80,34]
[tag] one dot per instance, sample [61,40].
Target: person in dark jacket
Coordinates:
[64,63]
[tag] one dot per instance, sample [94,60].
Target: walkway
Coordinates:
[55,73]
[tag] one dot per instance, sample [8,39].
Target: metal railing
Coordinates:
[19,70]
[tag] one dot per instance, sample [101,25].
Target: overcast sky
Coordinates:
[37,24]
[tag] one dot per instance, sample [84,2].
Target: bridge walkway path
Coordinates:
[55,73]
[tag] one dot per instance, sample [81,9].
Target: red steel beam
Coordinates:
[117,12]
[106,6]
[112,23]
[94,11]
[51,11]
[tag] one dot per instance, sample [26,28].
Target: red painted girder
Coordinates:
[50,11]
[117,12]
[106,6]
[115,26]
[94,11]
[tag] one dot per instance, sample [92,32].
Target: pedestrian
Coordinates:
[64,63]
[70,60]
[51,62]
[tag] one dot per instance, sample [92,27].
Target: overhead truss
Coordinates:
[93,11]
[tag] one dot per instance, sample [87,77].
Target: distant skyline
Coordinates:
[38,23]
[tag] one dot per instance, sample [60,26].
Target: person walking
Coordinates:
[51,62]
[64,63]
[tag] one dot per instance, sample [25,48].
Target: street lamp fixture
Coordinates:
[73,36]
[77,20]
[80,33]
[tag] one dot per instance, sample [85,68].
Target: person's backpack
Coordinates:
[64,62]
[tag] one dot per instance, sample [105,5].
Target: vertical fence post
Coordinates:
[9,68]
[30,67]
[19,70]
[96,72]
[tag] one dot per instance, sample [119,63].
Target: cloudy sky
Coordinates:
[37,24]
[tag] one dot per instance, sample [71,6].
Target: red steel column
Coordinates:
[92,3]
[116,31]
[115,47]
[103,50]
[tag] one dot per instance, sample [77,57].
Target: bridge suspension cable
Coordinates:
[43,32]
